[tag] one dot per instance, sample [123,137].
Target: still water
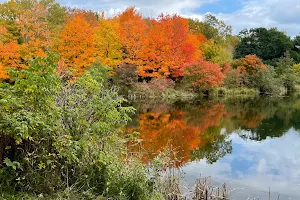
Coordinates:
[250,144]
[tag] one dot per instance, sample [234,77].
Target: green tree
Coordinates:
[286,72]
[55,13]
[211,27]
[295,52]
[220,41]
[267,44]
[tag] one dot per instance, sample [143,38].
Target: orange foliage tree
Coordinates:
[160,48]
[77,45]
[169,47]
[249,64]
[134,30]
[9,53]
[34,30]
[203,75]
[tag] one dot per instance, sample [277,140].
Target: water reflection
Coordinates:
[249,142]
[194,132]
[202,130]
[255,166]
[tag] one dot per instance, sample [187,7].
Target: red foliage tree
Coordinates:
[204,75]
[169,47]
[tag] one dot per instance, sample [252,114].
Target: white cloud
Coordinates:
[255,166]
[148,8]
[266,13]
[254,13]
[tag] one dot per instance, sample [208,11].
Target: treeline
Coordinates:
[186,54]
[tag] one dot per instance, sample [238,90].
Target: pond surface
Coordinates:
[250,144]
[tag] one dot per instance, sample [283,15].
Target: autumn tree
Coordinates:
[219,52]
[9,53]
[34,30]
[77,45]
[9,12]
[169,47]
[250,64]
[220,42]
[203,75]
[32,23]
[56,14]
[251,72]
[108,41]
[134,31]
[89,16]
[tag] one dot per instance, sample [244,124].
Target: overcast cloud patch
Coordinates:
[253,13]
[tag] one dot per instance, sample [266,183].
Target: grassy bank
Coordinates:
[170,95]
[242,92]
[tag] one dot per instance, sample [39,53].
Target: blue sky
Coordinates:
[240,14]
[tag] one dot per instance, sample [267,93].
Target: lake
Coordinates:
[251,144]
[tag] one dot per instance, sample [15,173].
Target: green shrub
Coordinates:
[62,137]
[265,81]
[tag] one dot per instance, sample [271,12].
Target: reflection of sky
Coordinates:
[273,163]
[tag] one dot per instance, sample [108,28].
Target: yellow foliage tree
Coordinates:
[107,37]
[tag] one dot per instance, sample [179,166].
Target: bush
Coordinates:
[286,72]
[265,81]
[203,75]
[232,79]
[59,135]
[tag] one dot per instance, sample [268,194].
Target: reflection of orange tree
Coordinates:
[245,115]
[160,131]
[177,129]
[206,115]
